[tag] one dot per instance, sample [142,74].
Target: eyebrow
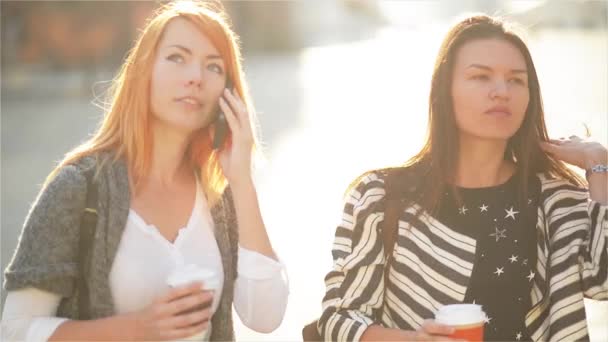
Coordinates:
[188,51]
[485,67]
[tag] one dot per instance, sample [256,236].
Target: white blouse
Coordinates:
[143,262]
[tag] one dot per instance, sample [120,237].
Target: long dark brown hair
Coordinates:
[428,173]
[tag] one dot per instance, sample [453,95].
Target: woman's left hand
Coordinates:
[235,158]
[576,151]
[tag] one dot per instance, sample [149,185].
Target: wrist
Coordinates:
[131,326]
[596,163]
[596,171]
[595,159]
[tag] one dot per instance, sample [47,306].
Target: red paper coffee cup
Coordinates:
[467,319]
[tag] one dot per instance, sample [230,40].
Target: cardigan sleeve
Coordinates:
[47,250]
[355,285]
[577,223]
[595,269]
[260,291]
[29,315]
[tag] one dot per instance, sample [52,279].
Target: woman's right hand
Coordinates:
[171,317]
[429,331]
[432,331]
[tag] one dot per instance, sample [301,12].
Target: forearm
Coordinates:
[598,187]
[114,328]
[29,314]
[252,232]
[598,181]
[379,333]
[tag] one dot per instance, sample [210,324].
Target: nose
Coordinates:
[195,76]
[500,89]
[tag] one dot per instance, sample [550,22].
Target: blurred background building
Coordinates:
[340,87]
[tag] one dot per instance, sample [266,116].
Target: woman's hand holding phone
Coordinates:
[219,134]
[235,158]
[221,126]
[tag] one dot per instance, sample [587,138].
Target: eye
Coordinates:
[176,57]
[481,77]
[215,68]
[517,80]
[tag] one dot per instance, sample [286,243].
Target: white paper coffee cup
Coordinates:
[188,274]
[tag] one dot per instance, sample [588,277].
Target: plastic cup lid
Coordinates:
[460,314]
[192,273]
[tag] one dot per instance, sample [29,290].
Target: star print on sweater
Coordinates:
[504,268]
[511,213]
[530,276]
[499,233]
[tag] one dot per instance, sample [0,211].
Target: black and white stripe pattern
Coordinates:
[432,265]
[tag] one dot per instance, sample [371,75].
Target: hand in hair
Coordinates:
[576,151]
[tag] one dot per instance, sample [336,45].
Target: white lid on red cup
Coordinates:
[460,314]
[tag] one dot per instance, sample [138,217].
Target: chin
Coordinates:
[492,134]
[497,136]
[186,128]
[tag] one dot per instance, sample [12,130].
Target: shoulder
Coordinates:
[558,186]
[392,181]
[369,182]
[370,179]
[560,195]
[68,179]
[91,165]
[71,180]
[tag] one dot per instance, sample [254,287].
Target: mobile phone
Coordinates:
[221,126]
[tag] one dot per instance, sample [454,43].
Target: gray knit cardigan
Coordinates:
[47,252]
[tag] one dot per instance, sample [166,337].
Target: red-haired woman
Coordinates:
[166,200]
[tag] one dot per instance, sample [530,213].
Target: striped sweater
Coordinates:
[432,265]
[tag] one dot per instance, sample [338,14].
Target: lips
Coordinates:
[499,110]
[190,100]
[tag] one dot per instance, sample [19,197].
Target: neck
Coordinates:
[481,163]
[169,165]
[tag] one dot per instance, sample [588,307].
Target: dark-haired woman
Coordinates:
[492,214]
